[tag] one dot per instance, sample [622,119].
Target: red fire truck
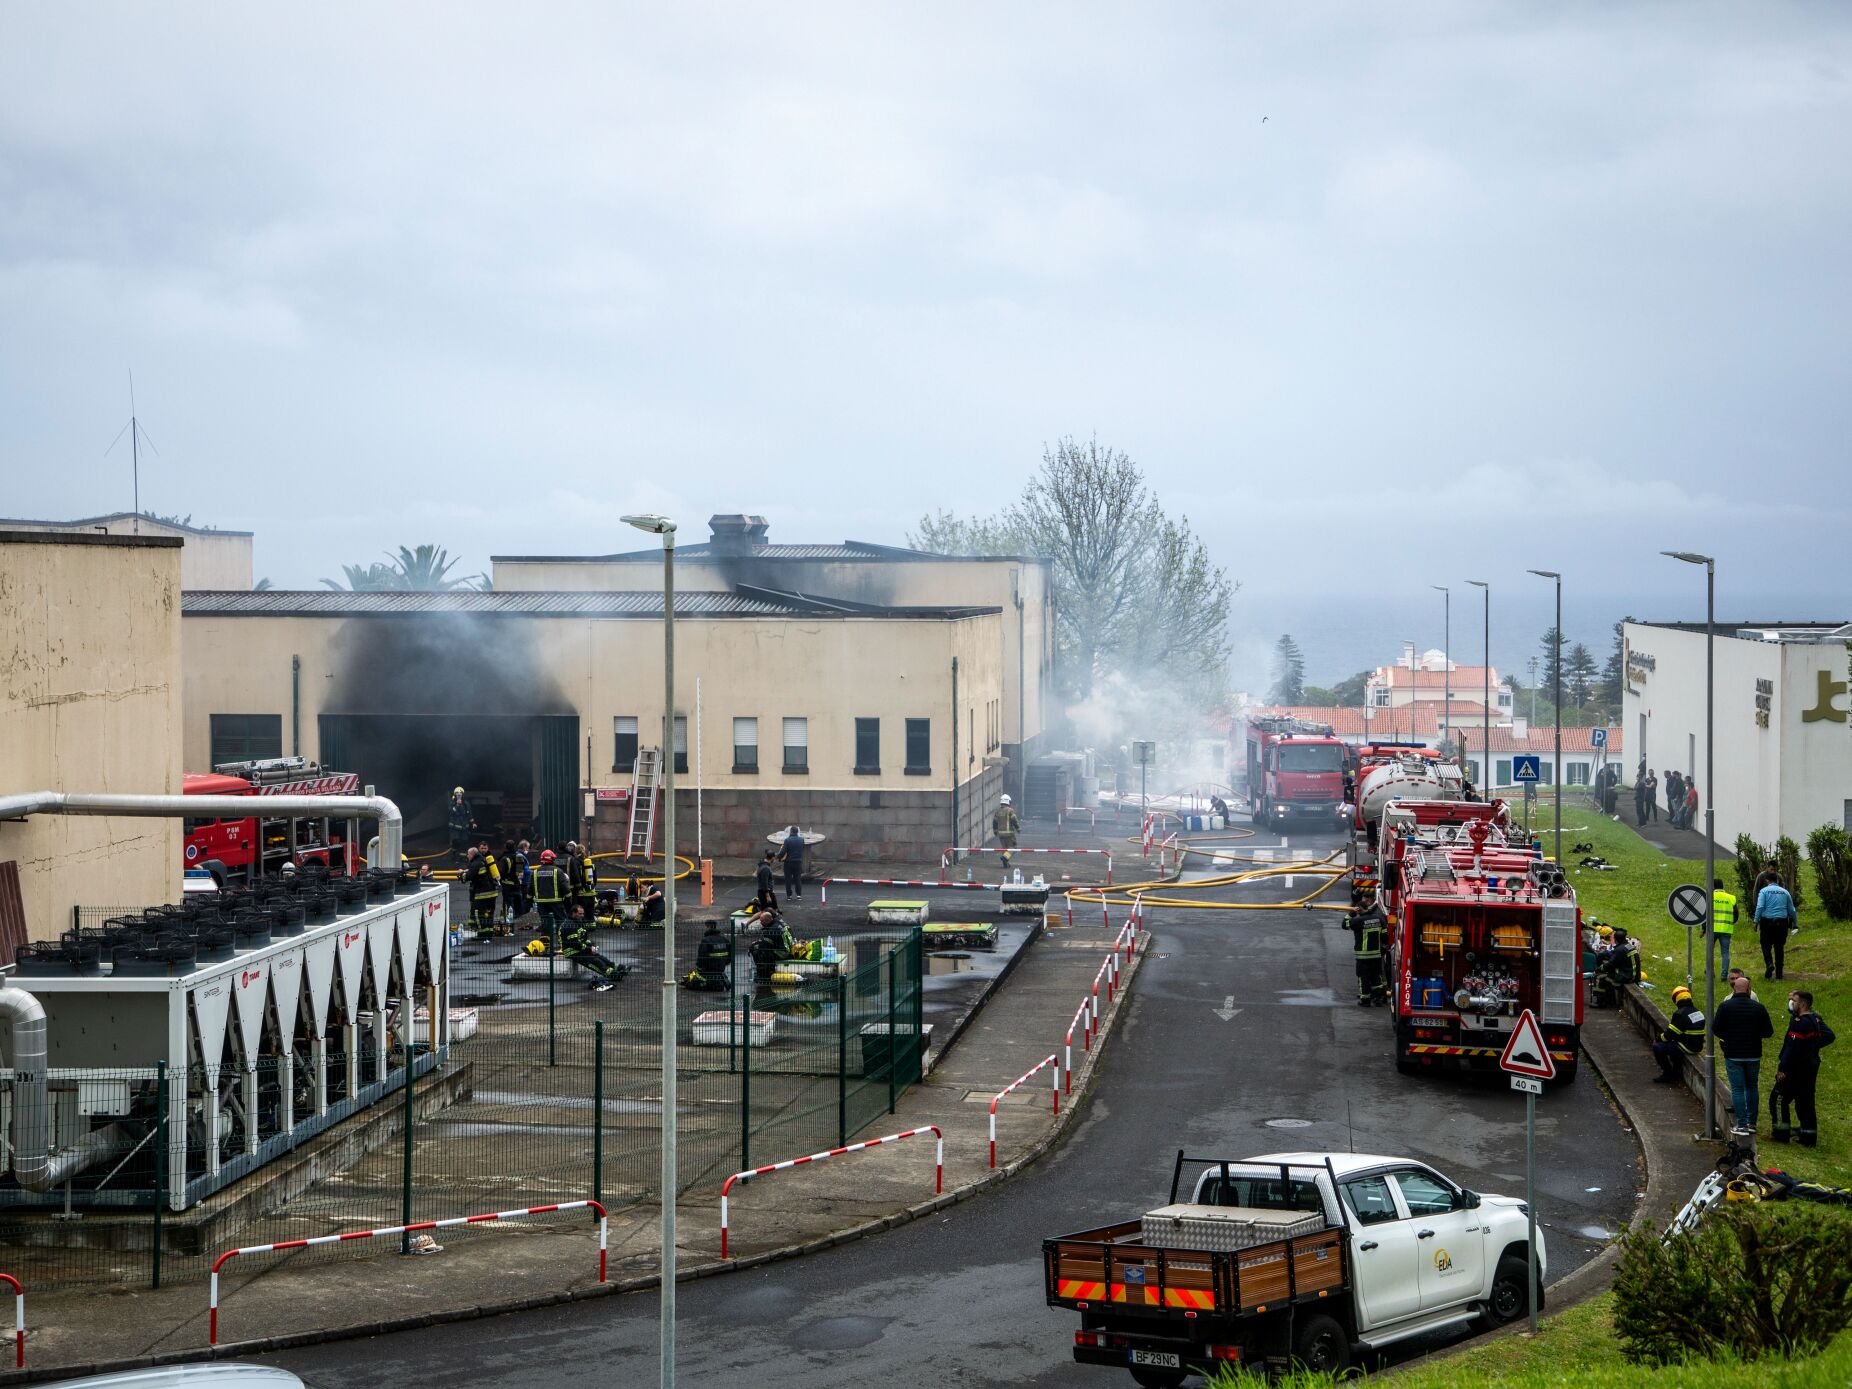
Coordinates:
[1479,928]
[235,851]
[1296,770]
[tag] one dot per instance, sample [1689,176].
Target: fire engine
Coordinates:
[1296,769]
[1480,926]
[248,849]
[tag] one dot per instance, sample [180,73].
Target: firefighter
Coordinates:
[775,943]
[1004,825]
[485,890]
[461,822]
[552,889]
[1617,967]
[514,874]
[652,907]
[713,971]
[1797,1071]
[1683,1036]
[584,875]
[1366,927]
[576,946]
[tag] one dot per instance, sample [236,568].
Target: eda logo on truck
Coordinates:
[1443,1261]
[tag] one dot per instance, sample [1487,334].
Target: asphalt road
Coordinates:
[958,1299]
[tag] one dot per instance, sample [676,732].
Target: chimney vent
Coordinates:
[735,533]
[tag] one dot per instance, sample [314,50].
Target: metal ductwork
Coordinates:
[35,1166]
[391,823]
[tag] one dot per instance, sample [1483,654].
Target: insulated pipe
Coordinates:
[34,1165]
[391,822]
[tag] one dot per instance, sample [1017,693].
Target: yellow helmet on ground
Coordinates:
[536,947]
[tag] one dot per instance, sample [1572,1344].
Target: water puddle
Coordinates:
[840,1333]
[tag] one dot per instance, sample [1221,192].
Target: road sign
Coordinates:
[1525,1054]
[1686,905]
[1526,1085]
[1598,737]
[1527,767]
[1144,752]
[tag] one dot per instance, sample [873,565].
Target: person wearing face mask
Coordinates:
[1797,1071]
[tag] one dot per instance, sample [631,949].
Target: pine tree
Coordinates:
[1288,672]
[1613,672]
[1580,670]
[1547,682]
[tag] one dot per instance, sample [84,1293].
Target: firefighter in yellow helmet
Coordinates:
[1005,825]
[1683,1035]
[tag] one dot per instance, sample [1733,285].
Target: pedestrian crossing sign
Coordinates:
[1527,767]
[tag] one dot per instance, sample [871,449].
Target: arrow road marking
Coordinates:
[1228,1010]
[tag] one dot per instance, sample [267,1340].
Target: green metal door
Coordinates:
[337,742]
[556,760]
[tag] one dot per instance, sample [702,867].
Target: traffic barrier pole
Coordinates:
[938,1175]
[1070,910]
[1109,870]
[19,1320]
[212,1333]
[1052,1059]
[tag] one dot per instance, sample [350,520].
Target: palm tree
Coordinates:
[425,569]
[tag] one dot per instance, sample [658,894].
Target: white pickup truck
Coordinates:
[1290,1258]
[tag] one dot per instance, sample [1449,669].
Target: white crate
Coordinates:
[1224,1229]
[721,1029]
[463,1022]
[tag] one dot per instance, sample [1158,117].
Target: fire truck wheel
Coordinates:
[1404,1063]
[1565,1074]
[1321,1346]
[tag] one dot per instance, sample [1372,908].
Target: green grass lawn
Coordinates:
[1819,960]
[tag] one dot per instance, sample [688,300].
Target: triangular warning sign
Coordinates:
[1525,1054]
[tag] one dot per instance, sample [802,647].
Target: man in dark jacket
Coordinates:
[793,859]
[1797,1070]
[1741,1026]
[1683,1036]
[766,877]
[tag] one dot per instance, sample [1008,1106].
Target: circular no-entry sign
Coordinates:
[1687,905]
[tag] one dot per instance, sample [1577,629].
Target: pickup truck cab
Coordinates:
[1388,1249]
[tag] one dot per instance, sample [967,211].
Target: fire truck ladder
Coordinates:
[646,778]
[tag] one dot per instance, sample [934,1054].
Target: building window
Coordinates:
[797,745]
[919,747]
[867,746]
[745,745]
[1379,696]
[1504,771]
[246,737]
[681,743]
[624,743]
[1577,773]
[1546,774]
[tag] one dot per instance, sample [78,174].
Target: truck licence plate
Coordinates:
[1158,1359]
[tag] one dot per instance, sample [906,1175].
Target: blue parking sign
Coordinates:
[1598,737]
[1527,767]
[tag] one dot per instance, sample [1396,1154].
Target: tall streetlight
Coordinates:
[663,526]
[1709,783]
[1446,664]
[1552,574]
[1485,767]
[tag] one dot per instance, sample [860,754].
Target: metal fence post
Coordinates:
[160,1167]
[745,1078]
[893,1036]
[405,1202]
[552,969]
[598,1111]
[918,952]
[842,1060]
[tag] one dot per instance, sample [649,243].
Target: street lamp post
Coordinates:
[663,526]
[1552,574]
[1709,783]
[1446,664]
[1485,751]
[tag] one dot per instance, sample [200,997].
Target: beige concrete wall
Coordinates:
[829,671]
[1025,642]
[219,560]
[90,697]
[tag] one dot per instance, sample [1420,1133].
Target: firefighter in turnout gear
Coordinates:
[576,946]
[485,890]
[584,877]
[552,889]
[713,971]
[461,822]
[1683,1036]
[1366,927]
[1004,825]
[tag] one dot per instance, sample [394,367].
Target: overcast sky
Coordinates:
[1369,290]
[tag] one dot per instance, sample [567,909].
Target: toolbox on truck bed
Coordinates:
[1115,1266]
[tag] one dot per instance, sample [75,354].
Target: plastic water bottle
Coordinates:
[967,872]
[1018,877]
[829,947]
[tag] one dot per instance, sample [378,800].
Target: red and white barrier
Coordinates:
[1092,819]
[19,1320]
[938,1167]
[948,857]
[1052,1059]
[212,1334]
[824,897]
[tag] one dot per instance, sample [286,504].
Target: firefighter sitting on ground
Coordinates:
[575,946]
[713,971]
[1615,968]
[485,891]
[1683,1036]
[651,908]
[1366,926]
[1005,825]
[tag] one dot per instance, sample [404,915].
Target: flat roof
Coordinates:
[61,537]
[706,551]
[740,602]
[1811,627]
[123,516]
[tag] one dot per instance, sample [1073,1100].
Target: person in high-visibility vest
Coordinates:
[552,889]
[485,890]
[1723,923]
[1367,928]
